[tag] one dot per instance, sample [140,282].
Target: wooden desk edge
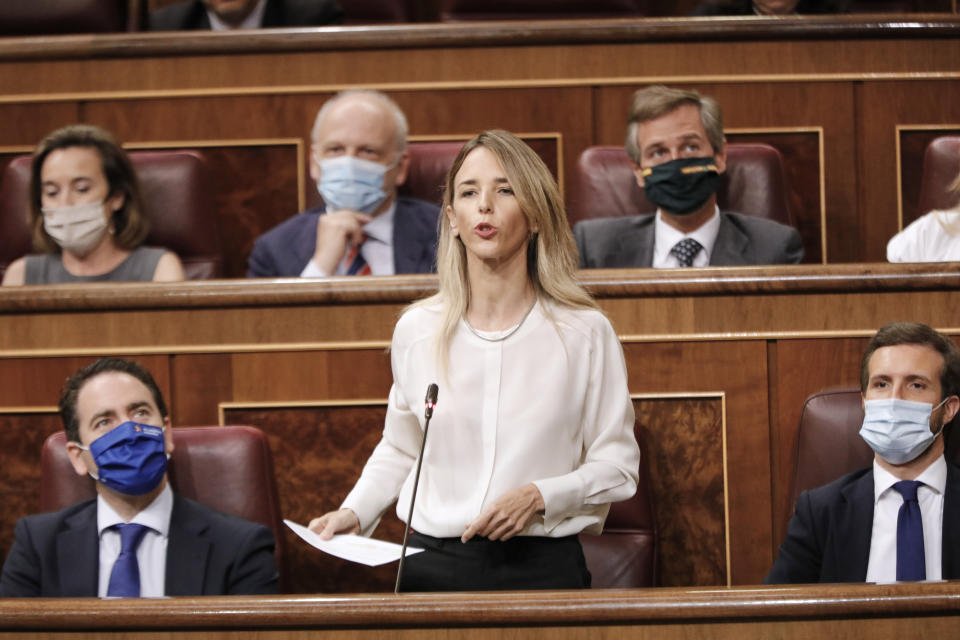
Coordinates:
[488,609]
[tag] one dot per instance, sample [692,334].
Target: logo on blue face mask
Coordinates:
[351,183]
[130,459]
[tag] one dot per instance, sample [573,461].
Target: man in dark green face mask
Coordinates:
[676,145]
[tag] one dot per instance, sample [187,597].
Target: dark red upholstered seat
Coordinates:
[47,17]
[624,555]
[604,184]
[828,440]
[226,468]
[941,164]
[540,9]
[176,193]
[429,164]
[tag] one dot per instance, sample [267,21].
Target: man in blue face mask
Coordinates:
[358,159]
[898,520]
[136,538]
[675,142]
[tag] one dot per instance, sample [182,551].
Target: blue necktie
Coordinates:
[911,563]
[686,250]
[125,576]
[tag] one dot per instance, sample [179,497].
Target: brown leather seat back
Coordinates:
[828,440]
[624,555]
[753,184]
[177,199]
[941,164]
[229,469]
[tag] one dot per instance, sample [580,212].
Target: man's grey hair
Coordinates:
[657,100]
[374,96]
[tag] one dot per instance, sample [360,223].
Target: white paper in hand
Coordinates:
[352,547]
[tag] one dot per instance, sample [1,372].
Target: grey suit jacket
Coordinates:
[627,241]
[828,538]
[208,553]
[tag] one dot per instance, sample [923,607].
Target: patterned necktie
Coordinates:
[356,264]
[686,250]
[125,576]
[911,564]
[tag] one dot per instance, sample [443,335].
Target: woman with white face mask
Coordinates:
[87,216]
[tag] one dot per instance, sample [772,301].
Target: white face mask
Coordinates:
[898,430]
[78,228]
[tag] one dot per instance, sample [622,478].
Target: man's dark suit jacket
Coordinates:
[208,553]
[285,250]
[626,242]
[185,16]
[828,538]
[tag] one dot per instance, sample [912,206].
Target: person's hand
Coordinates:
[334,522]
[336,231]
[507,516]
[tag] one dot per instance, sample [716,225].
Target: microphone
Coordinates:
[430,402]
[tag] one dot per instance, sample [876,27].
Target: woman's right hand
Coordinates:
[334,522]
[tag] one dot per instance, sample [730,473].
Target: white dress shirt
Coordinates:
[377,250]
[152,552]
[934,237]
[666,237]
[882,566]
[546,404]
[252,21]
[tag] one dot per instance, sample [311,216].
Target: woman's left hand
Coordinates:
[507,516]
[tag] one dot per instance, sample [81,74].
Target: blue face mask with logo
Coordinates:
[898,430]
[351,183]
[131,458]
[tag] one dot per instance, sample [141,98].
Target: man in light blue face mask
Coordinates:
[137,538]
[900,519]
[358,159]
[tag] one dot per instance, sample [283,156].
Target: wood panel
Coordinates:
[572,78]
[737,370]
[762,339]
[685,448]
[318,453]
[844,611]
[913,145]
[21,435]
[881,107]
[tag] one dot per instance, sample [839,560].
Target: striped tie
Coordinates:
[356,264]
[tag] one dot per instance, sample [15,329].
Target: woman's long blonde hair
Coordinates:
[551,252]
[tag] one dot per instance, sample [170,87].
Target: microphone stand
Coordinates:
[431,401]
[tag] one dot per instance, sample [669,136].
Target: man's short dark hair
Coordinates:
[915,333]
[71,389]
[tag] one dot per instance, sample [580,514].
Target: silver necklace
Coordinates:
[507,334]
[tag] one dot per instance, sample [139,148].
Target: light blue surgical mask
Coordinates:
[898,430]
[351,183]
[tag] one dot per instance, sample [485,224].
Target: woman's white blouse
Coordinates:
[934,237]
[549,405]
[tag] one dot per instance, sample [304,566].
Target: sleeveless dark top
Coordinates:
[139,266]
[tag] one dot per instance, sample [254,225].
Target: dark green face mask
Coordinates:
[681,186]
